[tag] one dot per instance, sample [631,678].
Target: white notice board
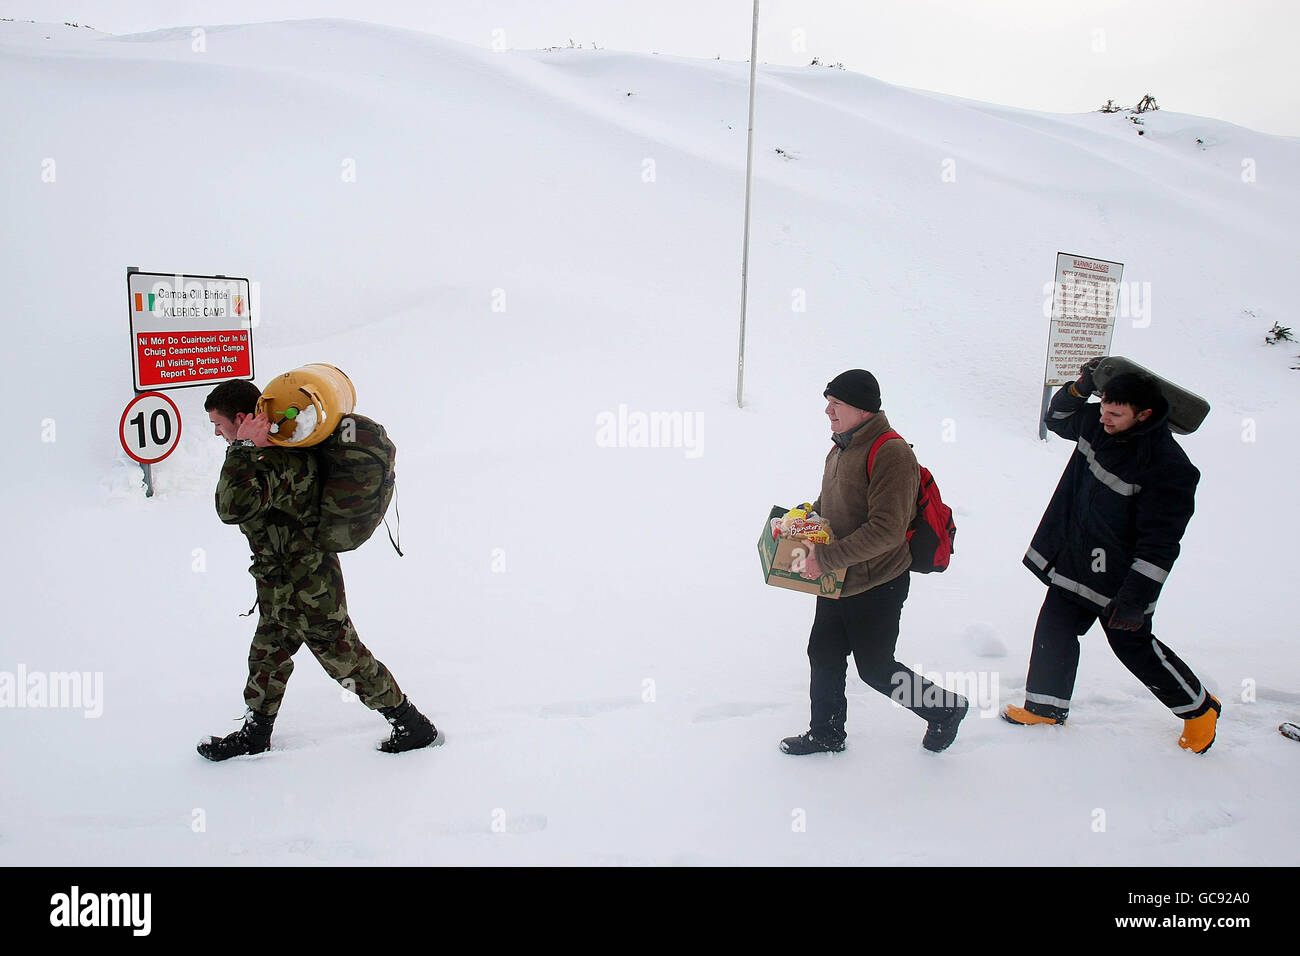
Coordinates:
[1085,298]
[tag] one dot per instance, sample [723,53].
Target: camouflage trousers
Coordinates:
[303,603]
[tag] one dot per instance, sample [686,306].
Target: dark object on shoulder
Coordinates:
[1186,409]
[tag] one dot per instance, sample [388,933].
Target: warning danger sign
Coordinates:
[1085,298]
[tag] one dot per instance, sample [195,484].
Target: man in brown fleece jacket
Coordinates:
[870,518]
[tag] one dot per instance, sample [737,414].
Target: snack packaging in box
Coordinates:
[779,555]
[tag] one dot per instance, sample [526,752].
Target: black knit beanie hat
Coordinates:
[856,387]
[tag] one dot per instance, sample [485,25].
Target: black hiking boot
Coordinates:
[411,729]
[252,738]
[940,734]
[811,743]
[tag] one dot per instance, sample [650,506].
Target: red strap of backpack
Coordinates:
[875,447]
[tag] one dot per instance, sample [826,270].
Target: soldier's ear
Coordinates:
[1144,414]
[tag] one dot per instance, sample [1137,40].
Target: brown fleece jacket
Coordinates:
[869,519]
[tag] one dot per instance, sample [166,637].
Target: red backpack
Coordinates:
[932,532]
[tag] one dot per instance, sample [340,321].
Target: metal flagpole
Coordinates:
[749,178]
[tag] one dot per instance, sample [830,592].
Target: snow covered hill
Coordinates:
[504,250]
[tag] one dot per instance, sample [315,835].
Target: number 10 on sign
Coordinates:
[149,430]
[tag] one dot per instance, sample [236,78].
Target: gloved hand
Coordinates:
[1123,617]
[1085,385]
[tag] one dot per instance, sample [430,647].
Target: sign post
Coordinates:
[1085,298]
[749,180]
[149,429]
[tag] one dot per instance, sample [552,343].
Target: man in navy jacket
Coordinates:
[1105,546]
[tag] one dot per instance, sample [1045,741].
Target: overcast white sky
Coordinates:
[1230,60]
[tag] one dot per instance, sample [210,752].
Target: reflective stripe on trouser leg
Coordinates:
[1061,703]
[1160,669]
[1054,661]
[1197,697]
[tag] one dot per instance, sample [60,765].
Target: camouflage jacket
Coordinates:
[272,494]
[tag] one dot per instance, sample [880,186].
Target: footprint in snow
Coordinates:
[734,709]
[586,708]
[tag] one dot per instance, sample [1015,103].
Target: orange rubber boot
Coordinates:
[1198,733]
[1018,715]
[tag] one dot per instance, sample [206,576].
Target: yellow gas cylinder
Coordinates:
[307,404]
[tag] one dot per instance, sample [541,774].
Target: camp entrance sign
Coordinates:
[1085,299]
[188,330]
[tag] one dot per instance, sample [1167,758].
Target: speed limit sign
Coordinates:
[150,427]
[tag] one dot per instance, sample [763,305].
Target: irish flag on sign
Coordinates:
[139,301]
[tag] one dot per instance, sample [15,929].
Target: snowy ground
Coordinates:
[532,240]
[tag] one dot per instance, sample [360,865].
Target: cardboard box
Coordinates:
[779,554]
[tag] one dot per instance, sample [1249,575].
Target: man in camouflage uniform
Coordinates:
[272,494]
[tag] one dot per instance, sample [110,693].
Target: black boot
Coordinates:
[940,734]
[252,738]
[411,729]
[811,743]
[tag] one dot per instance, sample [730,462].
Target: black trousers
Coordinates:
[1055,661]
[866,626]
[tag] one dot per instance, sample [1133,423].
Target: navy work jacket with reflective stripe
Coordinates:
[1113,526]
